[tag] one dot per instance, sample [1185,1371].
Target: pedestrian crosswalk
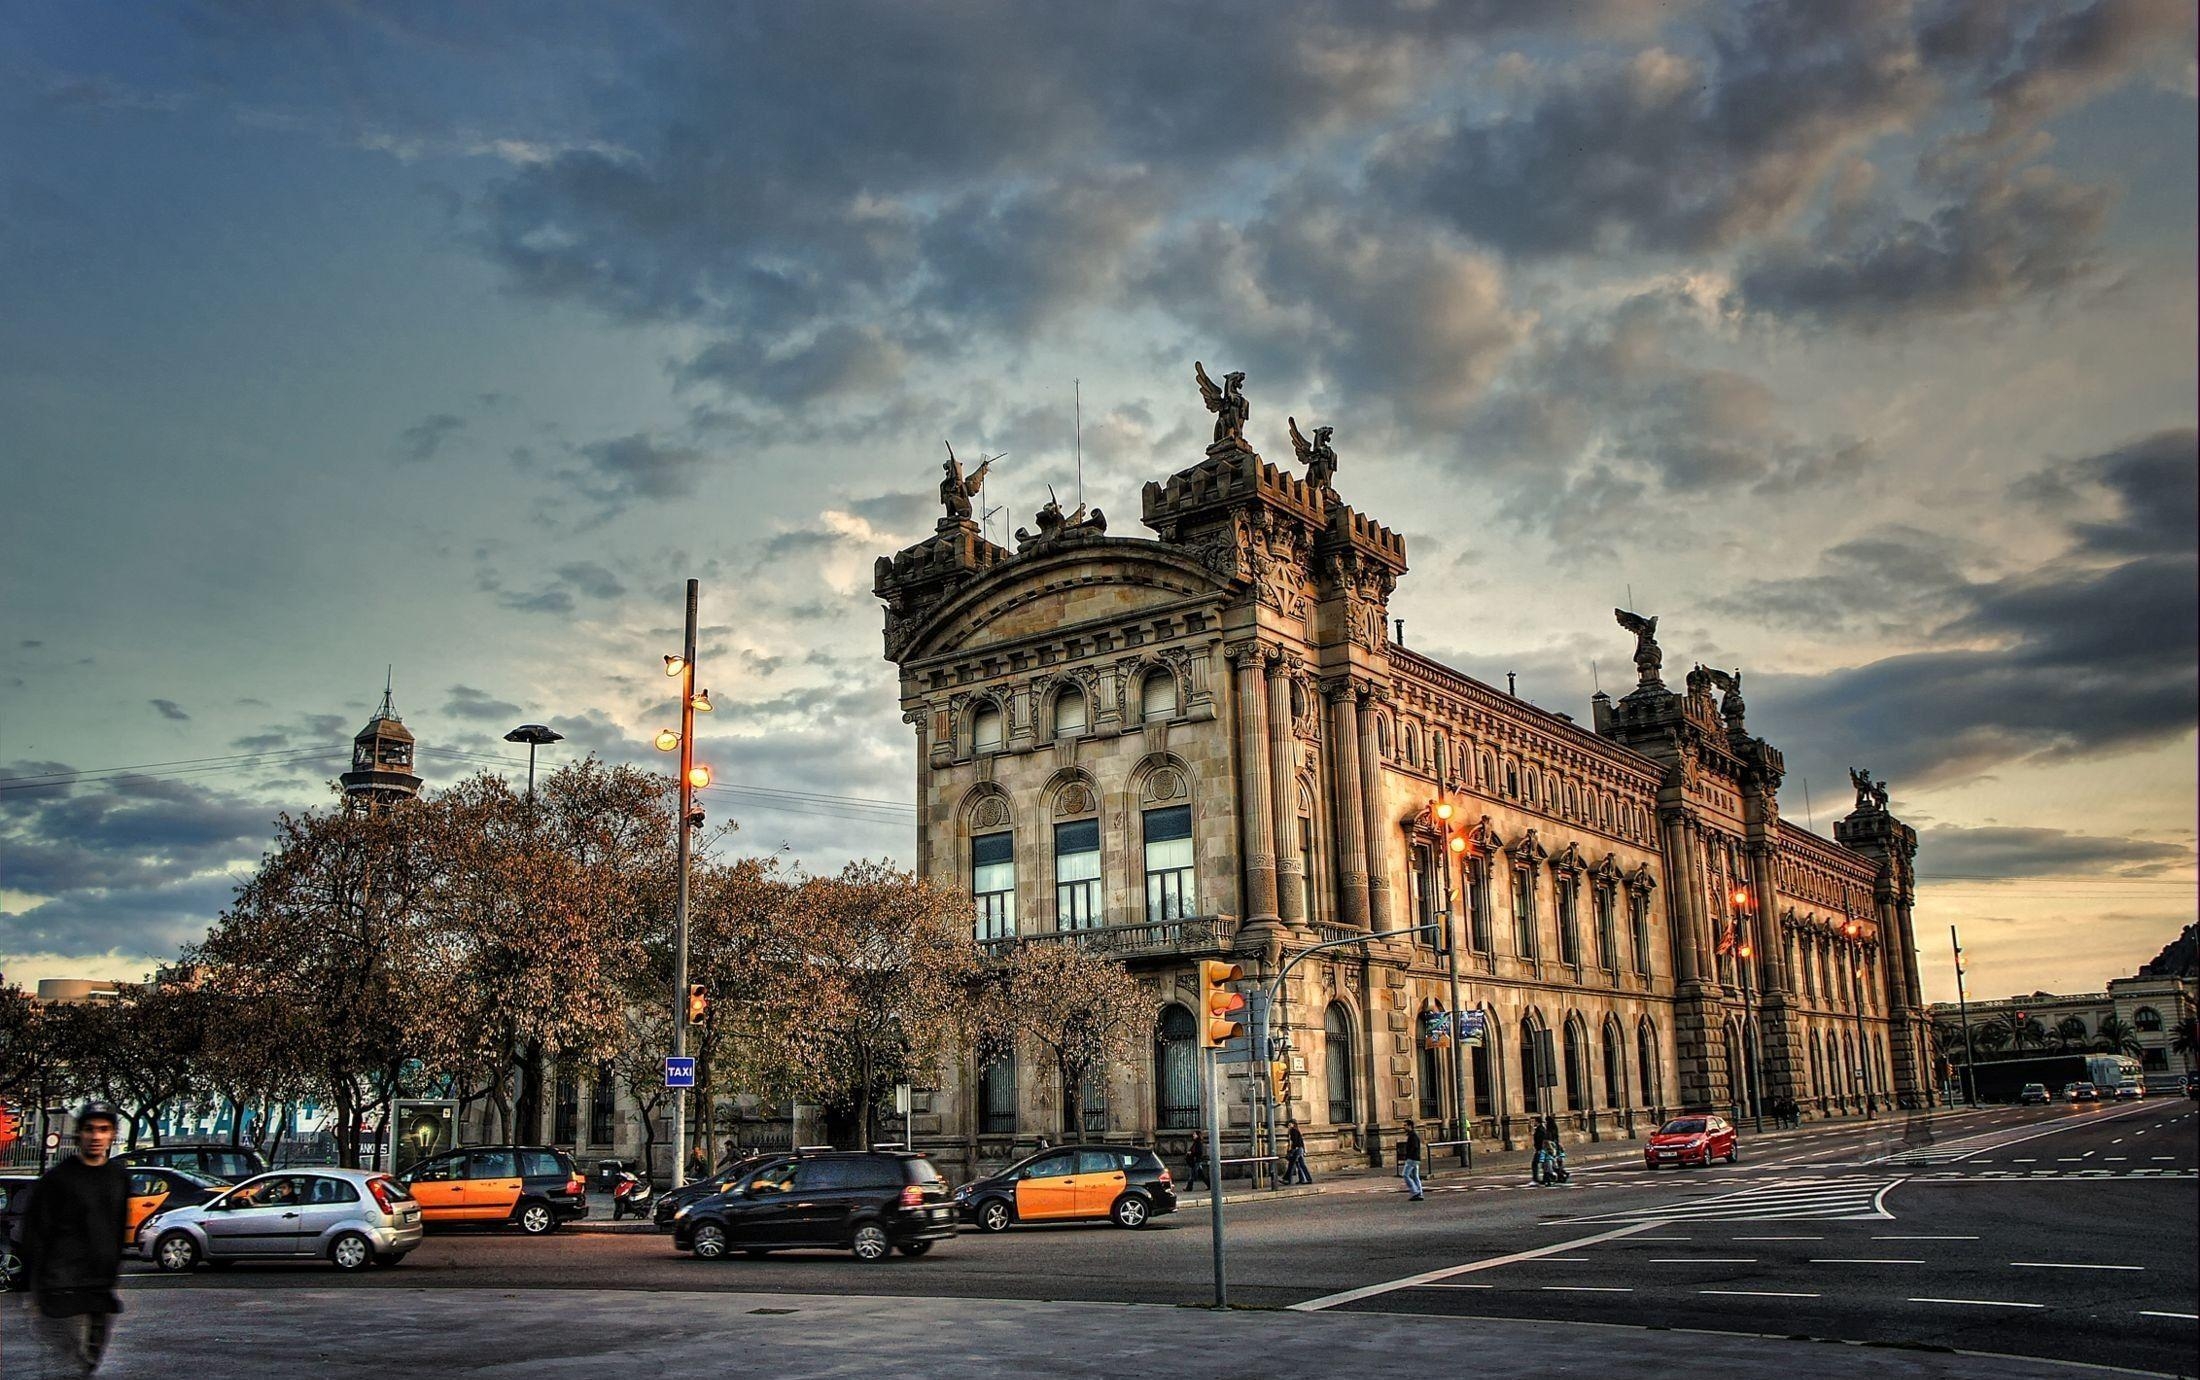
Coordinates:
[1856,1199]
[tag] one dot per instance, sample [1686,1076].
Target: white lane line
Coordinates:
[1924,1238]
[2025,1159]
[1586,1289]
[1758,1294]
[2115,1159]
[1779,1238]
[2064,1265]
[1413,1281]
[1664,1238]
[1861,1260]
[1702,1260]
[1566,1259]
[1455,1286]
[1981,1303]
[2150,1313]
[2119,1140]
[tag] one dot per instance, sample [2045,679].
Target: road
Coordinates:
[2058,1233]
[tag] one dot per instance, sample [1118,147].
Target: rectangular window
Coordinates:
[1077,874]
[993,883]
[1478,906]
[1607,929]
[1170,894]
[1316,911]
[1569,927]
[1638,913]
[566,1120]
[602,1103]
[1524,913]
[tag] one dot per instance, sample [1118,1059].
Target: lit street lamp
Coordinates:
[693,776]
[1745,950]
[1452,849]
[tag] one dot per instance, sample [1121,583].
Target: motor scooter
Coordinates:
[632,1195]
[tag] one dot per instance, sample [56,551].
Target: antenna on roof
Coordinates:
[1594,683]
[388,677]
[1808,822]
[1077,401]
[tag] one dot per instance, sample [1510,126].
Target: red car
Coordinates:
[1692,1140]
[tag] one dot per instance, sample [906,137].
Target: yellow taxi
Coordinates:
[532,1187]
[1127,1185]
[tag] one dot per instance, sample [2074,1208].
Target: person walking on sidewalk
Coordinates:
[1195,1163]
[1554,1153]
[72,1251]
[1539,1164]
[1409,1161]
[1294,1163]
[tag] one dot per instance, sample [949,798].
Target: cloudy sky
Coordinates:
[1854,339]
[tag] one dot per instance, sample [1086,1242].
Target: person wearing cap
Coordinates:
[72,1248]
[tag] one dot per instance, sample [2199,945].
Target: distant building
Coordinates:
[2148,1007]
[381,761]
[74,991]
[1209,743]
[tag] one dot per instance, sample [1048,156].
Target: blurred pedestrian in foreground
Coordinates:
[72,1251]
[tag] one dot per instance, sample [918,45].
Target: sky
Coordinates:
[1855,340]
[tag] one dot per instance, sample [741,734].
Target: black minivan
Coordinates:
[869,1202]
[231,1164]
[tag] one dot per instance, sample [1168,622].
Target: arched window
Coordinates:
[1572,801]
[1337,1061]
[985,729]
[1577,1066]
[1069,713]
[1531,1086]
[1512,780]
[1646,1063]
[1176,1071]
[1092,1093]
[1431,1084]
[997,1097]
[1157,696]
[1615,1066]
[1479,1059]
[2146,1018]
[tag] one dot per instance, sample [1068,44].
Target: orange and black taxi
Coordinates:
[531,1187]
[156,1188]
[1127,1185]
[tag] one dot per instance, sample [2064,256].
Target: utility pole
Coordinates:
[1449,929]
[680,912]
[1214,1172]
[1963,1008]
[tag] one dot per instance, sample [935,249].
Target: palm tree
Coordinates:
[1991,1036]
[1948,1040]
[2030,1032]
[2185,1039]
[2070,1031]
[2117,1036]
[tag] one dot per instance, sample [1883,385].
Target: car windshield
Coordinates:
[197,1180]
[1691,1126]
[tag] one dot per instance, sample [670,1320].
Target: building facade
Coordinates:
[1207,743]
[2139,1015]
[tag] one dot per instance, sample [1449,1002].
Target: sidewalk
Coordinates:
[1442,1168]
[552,1334]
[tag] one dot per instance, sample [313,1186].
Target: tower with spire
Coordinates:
[381,760]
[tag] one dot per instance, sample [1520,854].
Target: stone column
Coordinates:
[1348,809]
[1680,902]
[1256,831]
[1283,774]
[1380,916]
[1764,885]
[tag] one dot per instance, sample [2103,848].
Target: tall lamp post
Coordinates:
[692,778]
[1453,849]
[1963,1009]
[535,736]
[1745,956]
[1854,929]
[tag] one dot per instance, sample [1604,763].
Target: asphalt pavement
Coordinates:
[2062,1233]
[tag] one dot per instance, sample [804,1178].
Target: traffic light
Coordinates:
[1279,1079]
[698,1004]
[1222,1011]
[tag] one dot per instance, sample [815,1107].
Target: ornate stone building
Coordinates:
[1206,743]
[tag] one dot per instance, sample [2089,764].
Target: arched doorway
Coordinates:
[1337,1063]
[1176,1071]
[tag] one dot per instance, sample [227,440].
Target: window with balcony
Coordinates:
[993,883]
[1170,893]
[1077,874]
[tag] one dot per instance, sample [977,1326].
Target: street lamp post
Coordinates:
[1854,929]
[692,777]
[1453,847]
[1745,951]
[1963,1009]
[535,736]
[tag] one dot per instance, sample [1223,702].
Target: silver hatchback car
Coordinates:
[351,1218]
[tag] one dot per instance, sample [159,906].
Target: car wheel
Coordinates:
[1131,1211]
[1734,1155]
[995,1216]
[870,1243]
[913,1249]
[350,1252]
[537,1218]
[175,1252]
[709,1242]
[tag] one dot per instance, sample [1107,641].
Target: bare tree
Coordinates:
[1083,1009]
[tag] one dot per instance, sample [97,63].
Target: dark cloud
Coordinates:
[639,467]
[1949,851]
[2148,484]
[169,709]
[478,706]
[553,600]
[2078,53]
[128,924]
[1890,582]
[423,439]
[591,580]
[125,832]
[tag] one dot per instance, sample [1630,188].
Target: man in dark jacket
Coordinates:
[1410,1152]
[1294,1161]
[72,1248]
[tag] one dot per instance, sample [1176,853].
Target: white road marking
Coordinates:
[1586,1289]
[1924,1238]
[1758,1294]
[2064,1265]
[1702,1260]
[1431,1276]
[1455,1286]
[1981,1303]
[2150,1313]
[2026,1160]
[1779,1238]
[1860,1260]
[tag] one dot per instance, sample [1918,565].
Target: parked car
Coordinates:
[719,1181]
[228,1164]
[156,1190]
[1692,1139]
[1075,1183]
[351,1218]
[2033,1095]
[532,1187]
[14,1198]
[2082,1092]
[2130,1091]
[870,1202]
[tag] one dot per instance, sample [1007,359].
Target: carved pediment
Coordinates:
[1527,851]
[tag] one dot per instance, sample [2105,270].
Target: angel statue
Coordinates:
[957,491]
[1649,657]
[1319,459]
[1227,403]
